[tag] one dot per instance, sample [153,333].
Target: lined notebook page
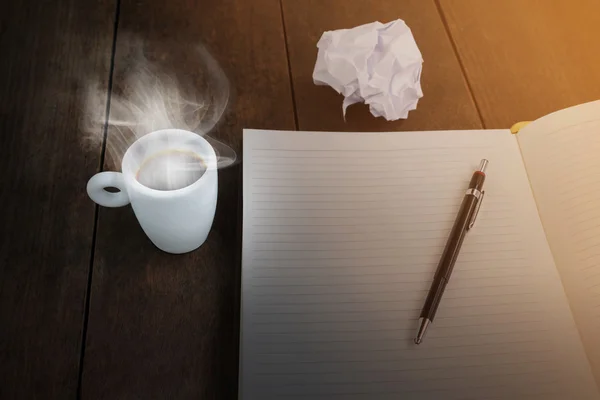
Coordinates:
[342,235]
[561,153]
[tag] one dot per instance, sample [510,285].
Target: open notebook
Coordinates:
[342,236]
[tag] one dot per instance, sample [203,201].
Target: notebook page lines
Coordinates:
[339,250]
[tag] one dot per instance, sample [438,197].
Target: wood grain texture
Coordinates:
[446,103]
[527,58]
[49,50]
[165,326]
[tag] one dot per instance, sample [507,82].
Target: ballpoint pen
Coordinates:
[464,221]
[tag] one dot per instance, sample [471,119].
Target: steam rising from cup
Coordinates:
[155,90]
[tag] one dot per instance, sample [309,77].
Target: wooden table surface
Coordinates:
[88,307]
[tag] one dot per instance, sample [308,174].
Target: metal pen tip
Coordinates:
[422,329]
[483,165]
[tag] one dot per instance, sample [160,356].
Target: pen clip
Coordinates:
[476,212]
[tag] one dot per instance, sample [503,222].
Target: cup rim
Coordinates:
[137,186]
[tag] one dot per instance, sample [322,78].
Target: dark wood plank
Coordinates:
[49,50]
[446,103]
[164,326]
[527,58]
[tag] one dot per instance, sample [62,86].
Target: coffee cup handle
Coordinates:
[97,185]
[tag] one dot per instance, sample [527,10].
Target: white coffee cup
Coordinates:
[176,221]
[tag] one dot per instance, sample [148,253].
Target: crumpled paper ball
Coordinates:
[378,64]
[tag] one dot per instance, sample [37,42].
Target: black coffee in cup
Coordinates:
[171,170]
